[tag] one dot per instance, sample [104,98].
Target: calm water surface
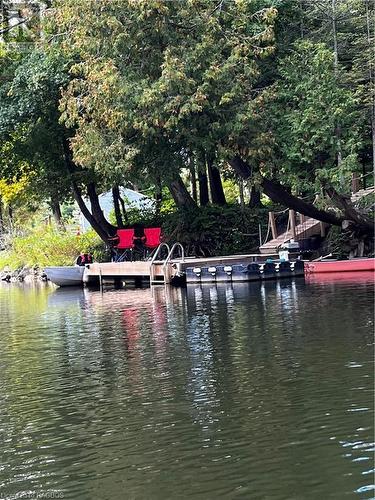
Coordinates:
[258,391]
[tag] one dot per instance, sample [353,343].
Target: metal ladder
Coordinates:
[166,270]
[154,257]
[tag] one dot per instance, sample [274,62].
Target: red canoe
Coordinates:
[356,277]
[340,266]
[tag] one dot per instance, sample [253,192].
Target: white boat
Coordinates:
[65,276]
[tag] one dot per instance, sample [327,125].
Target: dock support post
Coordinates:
[322,229]
[100,279]
[271,217]
[292,219]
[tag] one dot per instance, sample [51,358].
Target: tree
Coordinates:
[307,106]
[29,124]
[188,83]
[162,82]
[142,91]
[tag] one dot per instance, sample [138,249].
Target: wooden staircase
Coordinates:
[309,227]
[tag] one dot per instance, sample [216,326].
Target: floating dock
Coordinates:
[230,268]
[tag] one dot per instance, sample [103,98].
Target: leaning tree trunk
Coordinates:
[124,212]
[77,194]
[350,213]
[116,205]
[242,194]
[278,194]
[97,211]
[87,214]
[216,186]
[180,194]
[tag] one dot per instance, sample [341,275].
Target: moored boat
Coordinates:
[347,278]
[340,266]
[65,276]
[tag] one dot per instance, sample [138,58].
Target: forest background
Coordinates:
[218,110]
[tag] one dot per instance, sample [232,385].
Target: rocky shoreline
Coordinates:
[23,274]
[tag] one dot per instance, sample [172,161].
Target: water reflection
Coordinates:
[255,390]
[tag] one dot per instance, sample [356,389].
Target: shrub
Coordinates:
[46,246]
[215,230]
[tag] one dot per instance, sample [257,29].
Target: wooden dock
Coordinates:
[306,228]
[191,269]
[113,271]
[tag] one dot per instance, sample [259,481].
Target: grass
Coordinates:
[46,246]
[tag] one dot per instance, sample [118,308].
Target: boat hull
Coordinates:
[65,276]
[340,266]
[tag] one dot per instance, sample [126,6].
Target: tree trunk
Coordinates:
[72,169]
[116,205]
[255,198]
[158,195]
[193,181]
[180,194]
[278,194]
[203,189]
[56,212]
[216,186]
[242,194]
[97,211]
[123,207]
[362,221]
[87,214]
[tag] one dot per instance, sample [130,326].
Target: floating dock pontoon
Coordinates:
[250,267]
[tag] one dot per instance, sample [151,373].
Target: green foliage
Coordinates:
[231,191]
[171,80]
[146,214]
[342,244]
[214,230]
[143,91]
[45,246]
[210,230]
[29,123]
[310,107]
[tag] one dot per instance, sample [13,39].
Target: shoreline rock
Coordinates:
[23,274]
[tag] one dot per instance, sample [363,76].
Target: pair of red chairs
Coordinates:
[124,246]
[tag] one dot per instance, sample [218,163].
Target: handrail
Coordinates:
[169,257]
[154,258]
[158,250]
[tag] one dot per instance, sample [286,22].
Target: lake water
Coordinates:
[255,391]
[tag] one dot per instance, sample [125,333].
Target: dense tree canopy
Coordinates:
[119,92]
